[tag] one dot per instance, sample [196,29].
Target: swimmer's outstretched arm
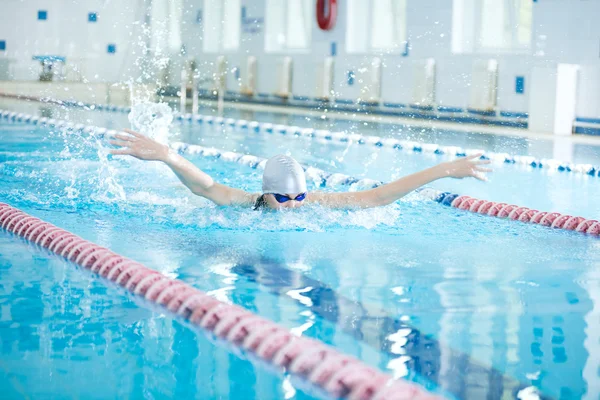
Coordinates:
[142,147]
[383,195]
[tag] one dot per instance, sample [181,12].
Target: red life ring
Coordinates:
[326,22]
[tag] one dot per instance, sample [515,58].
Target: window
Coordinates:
[376,26]
[222,24]
[288,25]
[165,20]
[491,26]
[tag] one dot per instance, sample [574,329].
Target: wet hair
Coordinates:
[261,203]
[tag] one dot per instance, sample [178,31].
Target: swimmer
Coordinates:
[284,184]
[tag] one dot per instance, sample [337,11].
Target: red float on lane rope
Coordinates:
[524,214]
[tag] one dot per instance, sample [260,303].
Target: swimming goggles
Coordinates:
[282,198]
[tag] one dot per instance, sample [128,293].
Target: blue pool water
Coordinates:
[469,306]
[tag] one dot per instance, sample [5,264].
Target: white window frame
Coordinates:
[166,17]
[221,26]
[280,20]
[361,27]
[469,22]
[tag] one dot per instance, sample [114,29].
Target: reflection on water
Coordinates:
[62,332]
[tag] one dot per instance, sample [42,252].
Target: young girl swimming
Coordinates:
[284,183]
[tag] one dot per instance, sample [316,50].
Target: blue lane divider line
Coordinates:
[394,105]
[424,352]
[514,114]
[587,130]
[487,113]
[588,120]
[420,107]
[450,109]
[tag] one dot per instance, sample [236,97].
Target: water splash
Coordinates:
[152,119]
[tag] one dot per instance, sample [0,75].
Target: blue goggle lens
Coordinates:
[282,198]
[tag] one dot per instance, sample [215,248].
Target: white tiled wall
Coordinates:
[565,31]
[67,32]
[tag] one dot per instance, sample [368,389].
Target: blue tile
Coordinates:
[520,84]
[350,78]
[42,15]
[2,44]
[333,49]
[92,17]
[111,48]
[406,50]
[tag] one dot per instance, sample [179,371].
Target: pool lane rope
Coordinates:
[514,212]
[323,179]
[337,374]
[342,137]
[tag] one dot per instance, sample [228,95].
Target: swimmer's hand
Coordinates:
[466,167]
[139,146]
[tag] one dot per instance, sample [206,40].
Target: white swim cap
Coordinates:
[283,175]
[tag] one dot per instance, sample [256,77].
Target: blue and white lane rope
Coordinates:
[377,141]
[323,179]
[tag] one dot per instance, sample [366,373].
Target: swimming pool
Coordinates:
[466,305]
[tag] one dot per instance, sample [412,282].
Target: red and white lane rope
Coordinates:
[337,374]
[524,214]
[516,213]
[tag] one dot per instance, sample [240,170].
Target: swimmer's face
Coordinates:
[275,205]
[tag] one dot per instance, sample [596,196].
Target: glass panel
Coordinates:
[388,24]
[299,24]
[231,24]
[525,15]
[213,11]
[274,25]
[494,23]
[356,26]
[175,17]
